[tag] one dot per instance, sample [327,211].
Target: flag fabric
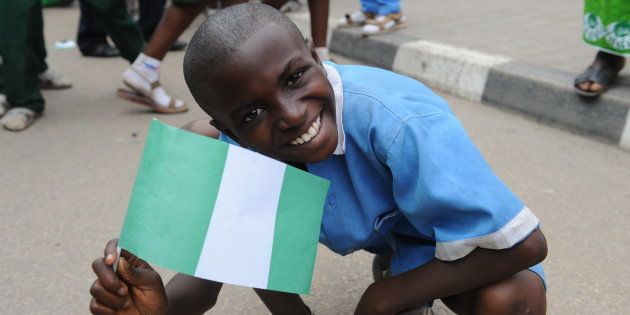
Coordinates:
[219,212]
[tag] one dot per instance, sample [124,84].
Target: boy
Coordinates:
[405,179]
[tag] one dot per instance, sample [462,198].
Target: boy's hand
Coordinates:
[135,288]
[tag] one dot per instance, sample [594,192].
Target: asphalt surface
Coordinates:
[65,183]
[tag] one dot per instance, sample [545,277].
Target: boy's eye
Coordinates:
[294,78]
[252,114]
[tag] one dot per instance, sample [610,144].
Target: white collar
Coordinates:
[335,82]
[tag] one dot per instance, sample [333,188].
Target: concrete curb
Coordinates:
[543,93]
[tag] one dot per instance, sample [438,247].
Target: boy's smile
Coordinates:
[272,95]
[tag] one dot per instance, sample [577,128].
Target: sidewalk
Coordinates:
[518,55]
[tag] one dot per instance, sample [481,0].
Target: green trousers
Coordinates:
[119,25]
[23,52]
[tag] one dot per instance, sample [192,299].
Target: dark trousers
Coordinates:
[113,17]
[23,52]
[91,32]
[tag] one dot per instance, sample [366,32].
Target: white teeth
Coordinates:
[310,134]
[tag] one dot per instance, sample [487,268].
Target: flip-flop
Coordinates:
[601,75]
[135,97]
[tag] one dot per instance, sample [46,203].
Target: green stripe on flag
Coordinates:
[171,204]
[298,218]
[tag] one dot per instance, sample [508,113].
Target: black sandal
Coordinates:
[601,75]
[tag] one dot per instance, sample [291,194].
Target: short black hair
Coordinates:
[220,36]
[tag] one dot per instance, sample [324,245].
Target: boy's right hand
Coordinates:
[135,288]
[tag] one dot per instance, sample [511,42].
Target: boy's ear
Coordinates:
[311,47]
[217,124]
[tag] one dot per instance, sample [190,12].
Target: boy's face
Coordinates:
[273,95]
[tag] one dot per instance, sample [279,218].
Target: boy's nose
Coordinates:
[292,115]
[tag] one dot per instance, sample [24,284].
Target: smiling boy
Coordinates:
[405,178]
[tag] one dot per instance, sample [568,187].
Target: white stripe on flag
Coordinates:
[238,239]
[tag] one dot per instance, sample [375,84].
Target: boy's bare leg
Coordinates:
[522,293]
[193,296]
[189,295]
[280,303]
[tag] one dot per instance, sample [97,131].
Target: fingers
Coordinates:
[110,251]
[140,277]
[108,299]
[100,309]
[134,260]
[107,277]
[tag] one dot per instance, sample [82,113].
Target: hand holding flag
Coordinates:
[135,288]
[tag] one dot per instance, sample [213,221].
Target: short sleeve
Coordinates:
[446,190]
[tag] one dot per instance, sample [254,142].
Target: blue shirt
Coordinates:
[406,179]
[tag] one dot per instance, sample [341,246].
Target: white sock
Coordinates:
[149,67]
[144,71]
[322,52]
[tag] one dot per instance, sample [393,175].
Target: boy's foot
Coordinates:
[143,80]
[18,118]
[51,80]
[596,79]
[355,19]
[384,24]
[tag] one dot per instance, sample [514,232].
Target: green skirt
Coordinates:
[606,25]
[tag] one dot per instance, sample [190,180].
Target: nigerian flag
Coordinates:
[219,212]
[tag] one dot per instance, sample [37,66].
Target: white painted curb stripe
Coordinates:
[624,143]
[457,70]
[235,239]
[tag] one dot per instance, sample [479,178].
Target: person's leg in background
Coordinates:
[369,9]
[21,31]
[388,17]
[318,10]
[143,76]
[151,12]
[46,77]
[124,32]
[91,36]
[319,26]
[386,7]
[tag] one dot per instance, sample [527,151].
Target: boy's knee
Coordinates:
[189,295]
[522,293]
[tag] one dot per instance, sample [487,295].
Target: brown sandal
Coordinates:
[135,97]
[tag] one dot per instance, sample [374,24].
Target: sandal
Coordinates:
[384,24]
[18,118]
[601,75]
[135,95]
[355,19]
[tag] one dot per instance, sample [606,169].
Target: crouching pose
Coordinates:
[406,180]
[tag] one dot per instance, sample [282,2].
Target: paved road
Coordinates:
[65,182]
